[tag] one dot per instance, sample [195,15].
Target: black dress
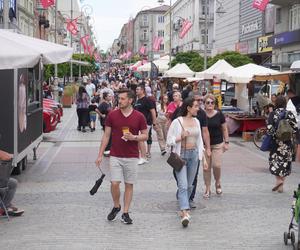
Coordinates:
[280,158]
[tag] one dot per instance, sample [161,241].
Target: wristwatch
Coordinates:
[226,142]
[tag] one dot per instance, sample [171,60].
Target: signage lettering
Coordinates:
[250,27]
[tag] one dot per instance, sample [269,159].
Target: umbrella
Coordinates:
[116,61]
[97,184]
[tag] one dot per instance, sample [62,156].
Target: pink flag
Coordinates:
[84,42]
[47,3]
[123,56]
[128,54]
[91,49]
[143,50]
[72,26]
[157,42]
[186,26]
[260,4]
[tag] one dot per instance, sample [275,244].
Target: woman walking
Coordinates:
[82,102]
[218,143]
[185,137]
[161,123]
[280,158]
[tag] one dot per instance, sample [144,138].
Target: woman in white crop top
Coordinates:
[185,136]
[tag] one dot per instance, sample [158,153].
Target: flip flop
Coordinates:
[274,189]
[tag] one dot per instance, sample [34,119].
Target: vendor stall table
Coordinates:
[248,123]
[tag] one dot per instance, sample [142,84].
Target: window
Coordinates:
[161,19]
[294,17]
[162,47]
[34,89]
[144,36]
[145,20]
[203,4]
[278,15]
[161,33]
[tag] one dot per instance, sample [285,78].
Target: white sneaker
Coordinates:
[142,161]
[185,221]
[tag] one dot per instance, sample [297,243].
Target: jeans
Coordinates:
[9,195]
[186,176]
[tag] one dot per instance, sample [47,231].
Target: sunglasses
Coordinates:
[208,103]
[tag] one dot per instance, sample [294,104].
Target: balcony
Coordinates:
[284,2]
[144,38]
[210,17]
[144,24]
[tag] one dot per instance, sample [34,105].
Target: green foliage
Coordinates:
[232,57]
[63,69]
[191,59]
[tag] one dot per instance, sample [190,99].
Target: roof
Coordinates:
[162,8]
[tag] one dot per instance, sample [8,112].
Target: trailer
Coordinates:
[21,100]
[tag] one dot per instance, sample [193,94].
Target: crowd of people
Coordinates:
[131,110]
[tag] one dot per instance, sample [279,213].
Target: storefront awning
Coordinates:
[280,76]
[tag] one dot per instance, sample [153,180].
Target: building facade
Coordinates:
[193,11]
[148,25]
[226,27]
[286,40]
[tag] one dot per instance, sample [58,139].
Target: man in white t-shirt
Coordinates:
[85,78]
[90,89]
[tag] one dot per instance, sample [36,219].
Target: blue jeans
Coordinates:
[186,176]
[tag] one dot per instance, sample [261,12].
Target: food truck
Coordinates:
[21,101]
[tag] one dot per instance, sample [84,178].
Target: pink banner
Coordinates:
[186,26]
[143,50]
[47,3]
[84,42]
[157,42]
[260,4]
[128,54]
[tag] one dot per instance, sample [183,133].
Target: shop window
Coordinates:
[294,17]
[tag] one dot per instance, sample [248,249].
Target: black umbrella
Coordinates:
[97,184]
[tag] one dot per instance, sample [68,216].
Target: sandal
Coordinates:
[206,195]
[274,189]
[218,189]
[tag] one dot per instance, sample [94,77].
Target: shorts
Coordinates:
[124,169]
[93,116]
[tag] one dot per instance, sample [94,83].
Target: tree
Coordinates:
[191,59]
[232,57]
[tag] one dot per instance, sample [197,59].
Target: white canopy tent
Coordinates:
[20,51]
[162,64]
[117,61]
[295,66]
[245,73]
[216,70]
[180,70]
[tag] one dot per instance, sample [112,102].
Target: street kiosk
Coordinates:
[21,101]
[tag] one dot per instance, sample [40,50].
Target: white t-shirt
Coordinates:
[90,89]
[85,79]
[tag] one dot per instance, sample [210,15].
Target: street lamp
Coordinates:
[170,34]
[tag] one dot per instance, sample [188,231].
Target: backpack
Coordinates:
[284,130]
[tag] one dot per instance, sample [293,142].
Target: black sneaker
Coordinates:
[126,219]
[163,152]
[112,215]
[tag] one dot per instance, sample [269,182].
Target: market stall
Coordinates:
[21,75]
[215,71]
[180,70]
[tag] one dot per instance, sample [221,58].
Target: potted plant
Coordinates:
[67,98]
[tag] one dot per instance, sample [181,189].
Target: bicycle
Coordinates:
[259,135]
[294,225]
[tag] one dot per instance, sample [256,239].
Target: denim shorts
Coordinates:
[93,116]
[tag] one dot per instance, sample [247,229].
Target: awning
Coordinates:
[20,51]
[82,63]
[280,76]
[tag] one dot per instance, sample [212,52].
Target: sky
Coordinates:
[110,15]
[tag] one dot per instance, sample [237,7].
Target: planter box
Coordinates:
[67,101]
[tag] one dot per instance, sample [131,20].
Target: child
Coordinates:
[93,114]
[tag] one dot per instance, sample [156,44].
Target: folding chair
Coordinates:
[5,172]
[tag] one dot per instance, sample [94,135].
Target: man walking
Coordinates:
[147,108]
[127,127]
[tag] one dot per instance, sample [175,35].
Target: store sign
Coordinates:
[264,44]
[242,47]
[286,38]
[250,27]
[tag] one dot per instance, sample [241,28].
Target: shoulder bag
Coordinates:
[174,160]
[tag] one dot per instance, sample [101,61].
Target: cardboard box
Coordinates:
[247,136]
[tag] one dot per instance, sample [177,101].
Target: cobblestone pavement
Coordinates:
[60,213]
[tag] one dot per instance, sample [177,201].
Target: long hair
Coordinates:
[280,102]
[162,105]
[188,102]
[81,90]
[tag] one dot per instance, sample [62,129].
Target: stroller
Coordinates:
[295,222]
